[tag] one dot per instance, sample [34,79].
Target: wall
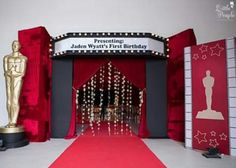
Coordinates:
[156,16]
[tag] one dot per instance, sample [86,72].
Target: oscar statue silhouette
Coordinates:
[208,82]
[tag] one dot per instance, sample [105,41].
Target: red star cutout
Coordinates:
[223,137]
[204,57]
[195,56]
[213,133]
[213,143]
[201,137]
[216,50]
[203,48]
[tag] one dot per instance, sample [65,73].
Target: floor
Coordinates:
[172,153]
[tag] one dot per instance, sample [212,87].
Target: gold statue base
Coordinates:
[12,137]
[7,130]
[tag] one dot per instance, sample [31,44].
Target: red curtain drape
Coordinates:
[135,71]
[175,83]
[36,90]
[84,69]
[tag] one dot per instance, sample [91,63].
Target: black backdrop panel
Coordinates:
[156,98]
[61,96]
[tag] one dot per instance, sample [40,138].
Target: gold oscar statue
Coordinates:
[14,70]
[14,64]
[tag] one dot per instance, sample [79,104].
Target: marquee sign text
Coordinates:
[81,44]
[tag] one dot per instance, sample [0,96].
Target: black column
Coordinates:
[156,76]
[61,96]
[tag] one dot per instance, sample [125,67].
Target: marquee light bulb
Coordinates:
[231,4]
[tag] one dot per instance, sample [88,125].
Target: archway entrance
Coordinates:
[64,78]
[140,57]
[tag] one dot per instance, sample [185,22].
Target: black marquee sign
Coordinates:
[110,45]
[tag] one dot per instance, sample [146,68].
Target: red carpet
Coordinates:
[103,151]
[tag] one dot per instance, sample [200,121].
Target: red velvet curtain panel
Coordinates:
[175,83]
[36,90]
[84,69]
[135,71]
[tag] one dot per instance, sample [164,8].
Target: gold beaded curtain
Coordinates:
[109,97]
